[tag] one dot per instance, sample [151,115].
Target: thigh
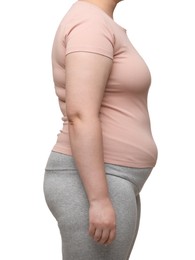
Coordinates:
[68,203]
[122,193]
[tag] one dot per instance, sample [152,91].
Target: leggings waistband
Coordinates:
[62,162]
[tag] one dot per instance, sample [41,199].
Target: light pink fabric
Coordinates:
[125,122]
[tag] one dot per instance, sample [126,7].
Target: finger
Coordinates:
[105,236]
[112,236]
[92,230]
[98,234]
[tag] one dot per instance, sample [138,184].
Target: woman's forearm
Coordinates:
[87,149]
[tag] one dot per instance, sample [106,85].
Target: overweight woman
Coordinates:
[105,151]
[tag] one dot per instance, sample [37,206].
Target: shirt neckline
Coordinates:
[103,12]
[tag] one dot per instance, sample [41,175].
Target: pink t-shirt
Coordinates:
[127,137]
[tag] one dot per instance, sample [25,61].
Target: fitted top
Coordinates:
[124,118]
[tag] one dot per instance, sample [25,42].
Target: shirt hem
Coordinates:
[94,51]
[67,151]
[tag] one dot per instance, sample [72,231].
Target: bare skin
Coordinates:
[107,6]
[84,93]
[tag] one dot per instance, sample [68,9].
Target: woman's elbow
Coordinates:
[75,117]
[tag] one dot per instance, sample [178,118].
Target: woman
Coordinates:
[105,151]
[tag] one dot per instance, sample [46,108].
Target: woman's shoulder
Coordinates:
[85,13]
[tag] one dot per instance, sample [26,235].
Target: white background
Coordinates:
[163,33]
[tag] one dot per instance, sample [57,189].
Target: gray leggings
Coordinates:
[67,200]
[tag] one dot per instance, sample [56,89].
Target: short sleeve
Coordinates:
[90,35]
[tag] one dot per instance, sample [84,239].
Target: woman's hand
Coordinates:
[102,221]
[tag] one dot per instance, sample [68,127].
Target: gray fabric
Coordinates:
[67,201]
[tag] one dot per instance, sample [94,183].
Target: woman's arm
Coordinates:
[86,78]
